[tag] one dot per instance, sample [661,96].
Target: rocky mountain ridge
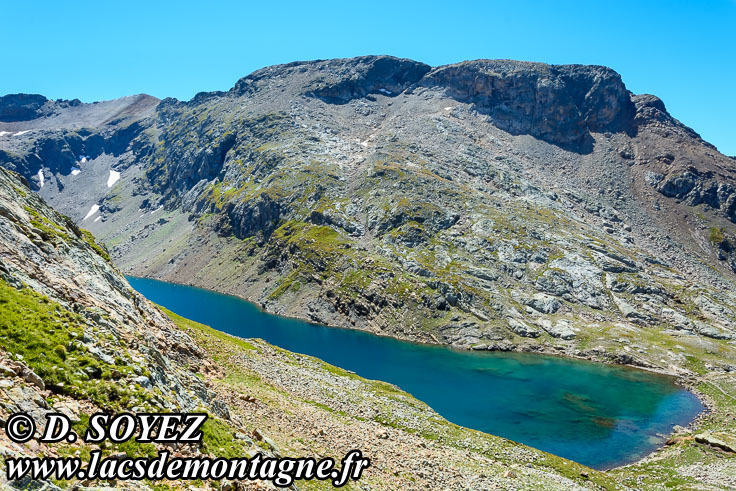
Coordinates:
[490,204]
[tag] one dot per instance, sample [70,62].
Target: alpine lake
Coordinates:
[598,415]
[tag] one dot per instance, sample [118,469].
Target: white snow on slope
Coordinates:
[3,133]
[114,176]
[97,219]
[40,177]
[91,211]
[75,171]
[22,132]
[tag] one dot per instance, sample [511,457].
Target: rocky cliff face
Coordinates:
[26,107]
[75,338]
[558,104]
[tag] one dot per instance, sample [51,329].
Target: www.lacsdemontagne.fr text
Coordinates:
[161,428]
[281,471]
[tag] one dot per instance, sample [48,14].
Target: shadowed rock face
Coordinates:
[27,107]
[558,104]
[340,81]
[21,107]
[258,218]
[368,75]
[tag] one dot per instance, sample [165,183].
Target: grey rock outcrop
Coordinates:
[543,303]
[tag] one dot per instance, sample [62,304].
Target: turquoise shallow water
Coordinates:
[599,415]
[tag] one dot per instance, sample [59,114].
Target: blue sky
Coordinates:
[684,52]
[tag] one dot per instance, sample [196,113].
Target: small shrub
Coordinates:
[60,351]
[717,234]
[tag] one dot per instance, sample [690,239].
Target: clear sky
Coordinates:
[684,52]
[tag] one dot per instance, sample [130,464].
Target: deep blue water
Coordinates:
[595,414]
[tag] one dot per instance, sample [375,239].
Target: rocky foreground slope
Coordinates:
[485,205]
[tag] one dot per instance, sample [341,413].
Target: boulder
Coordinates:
[31,377]
[522,328]
[722,440]
[543,303]
[561,330]
[7,370]
[143,381]
[711,331]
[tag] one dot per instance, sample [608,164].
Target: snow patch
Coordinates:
[75,171]
[114,177]
[448,108]
[92,211]
[3,133]
[387,92]
[97,219]
[22,132]
[157,209]
[83,159]
[40,177]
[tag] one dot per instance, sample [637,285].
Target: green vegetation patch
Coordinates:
[96,246]
[317,244]
[48,230]
[192,327]
[219,440]
[717,235]
[47,336]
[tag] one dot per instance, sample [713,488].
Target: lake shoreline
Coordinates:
[677,379]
